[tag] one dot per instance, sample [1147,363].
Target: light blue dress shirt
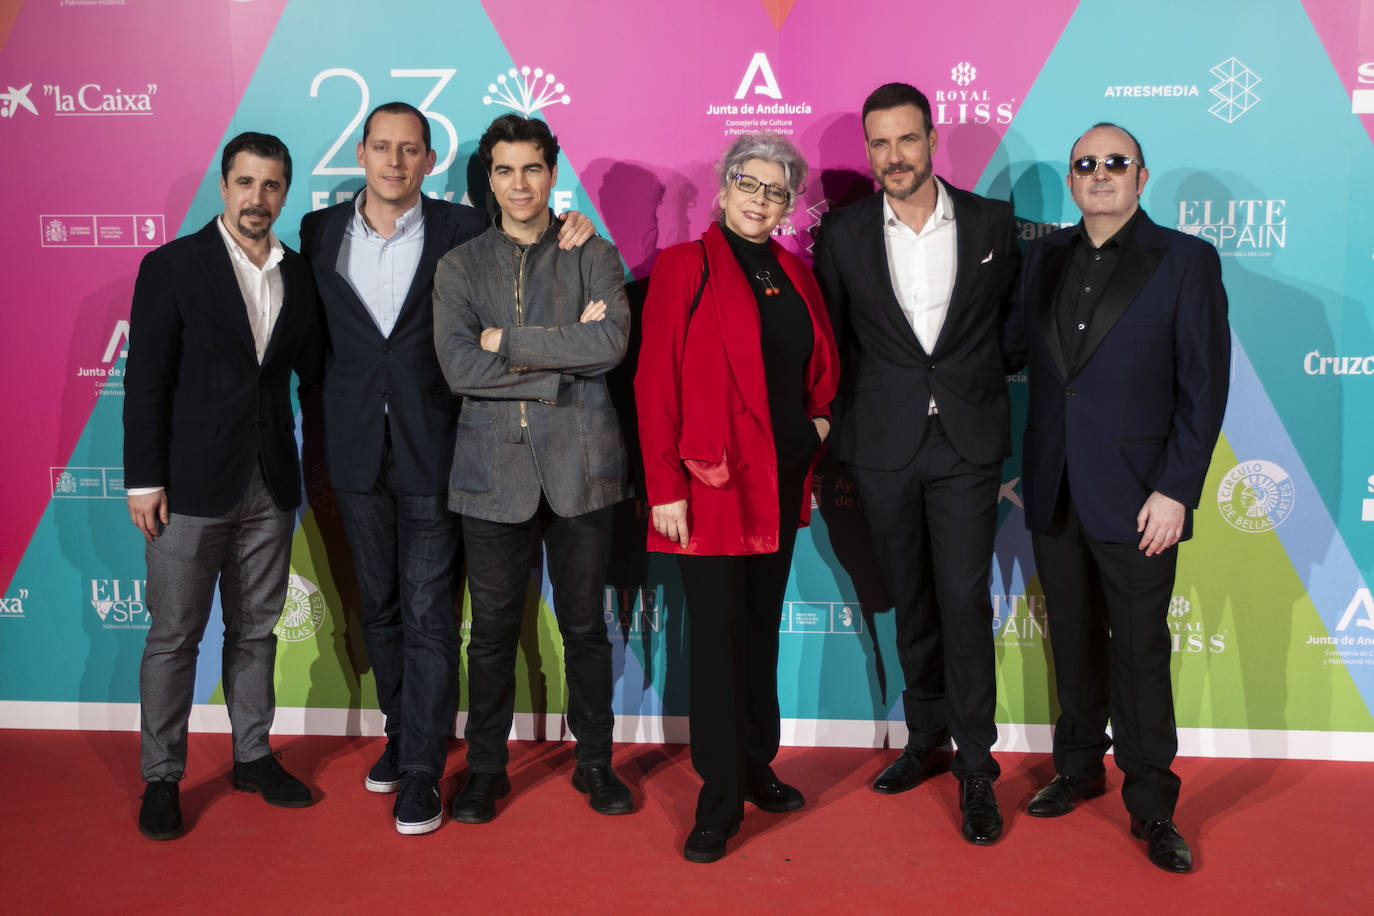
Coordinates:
[381,270]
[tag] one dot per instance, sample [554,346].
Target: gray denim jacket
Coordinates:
[536,415]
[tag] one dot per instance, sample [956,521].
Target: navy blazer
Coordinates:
[370,378]
[879,414]
[1143,411]
[199,411]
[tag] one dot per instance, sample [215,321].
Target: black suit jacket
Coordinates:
[879,415]
[1144,408]
[199,411]
[368,377]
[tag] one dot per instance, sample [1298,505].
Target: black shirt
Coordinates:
[787,341]
[1084,278]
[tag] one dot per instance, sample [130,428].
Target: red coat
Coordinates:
[704,424]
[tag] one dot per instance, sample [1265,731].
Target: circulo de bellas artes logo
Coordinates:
[1256,496]
[303,612]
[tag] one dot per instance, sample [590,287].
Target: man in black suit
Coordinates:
[389,427]
[219,321]
[916,277]
[1123,326]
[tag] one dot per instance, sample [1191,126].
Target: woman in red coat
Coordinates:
[736,373]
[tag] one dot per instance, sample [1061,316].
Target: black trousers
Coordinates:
[1108,621]
[498,554]
[934,523]
[734,609]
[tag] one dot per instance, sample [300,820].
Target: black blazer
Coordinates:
[199,411]
[1144,409]
[369,378]
[879,414]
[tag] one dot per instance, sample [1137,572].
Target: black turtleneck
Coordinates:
[787,343]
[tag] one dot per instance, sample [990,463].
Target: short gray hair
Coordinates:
[769,147]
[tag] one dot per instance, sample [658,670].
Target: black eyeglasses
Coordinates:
[1116,164]
[749,185]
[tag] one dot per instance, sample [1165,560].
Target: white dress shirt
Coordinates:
[261,286]
[921,266]
[262,291]
[379,269]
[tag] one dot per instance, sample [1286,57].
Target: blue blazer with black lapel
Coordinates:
[879,414]
[1143,408]
[368,377]
[200,412]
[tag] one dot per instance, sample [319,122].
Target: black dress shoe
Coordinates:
[269,778]
[1063,792]
[913,766]
[1163,845]
[159,817]
[707,844]
[982,819]
[476,804]
[604,790]
[775,796]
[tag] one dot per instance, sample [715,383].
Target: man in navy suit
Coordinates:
[219,321]
[389,425]
[1123,326]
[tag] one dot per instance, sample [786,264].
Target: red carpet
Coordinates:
[1281,836]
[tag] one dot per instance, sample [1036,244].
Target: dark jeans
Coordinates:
[579,548]
[406,554]
[934,523]
[734,608]
[1108,608]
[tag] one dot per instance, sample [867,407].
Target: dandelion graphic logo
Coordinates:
[526,91]
[963,73]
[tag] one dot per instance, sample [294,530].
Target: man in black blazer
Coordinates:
[1123,326]
[389,428]
[916,278]
[219,321]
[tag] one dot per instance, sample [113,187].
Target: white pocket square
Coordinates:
[988,258]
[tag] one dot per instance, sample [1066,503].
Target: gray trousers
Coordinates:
[249,551]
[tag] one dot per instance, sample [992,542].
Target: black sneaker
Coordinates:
[267,777]
[418,808]
[385,776]
[159,817]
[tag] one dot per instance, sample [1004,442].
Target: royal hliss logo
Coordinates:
[1186,634]
[303,612]
[1256,496]
[1367,508]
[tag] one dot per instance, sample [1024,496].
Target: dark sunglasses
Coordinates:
[1116,164]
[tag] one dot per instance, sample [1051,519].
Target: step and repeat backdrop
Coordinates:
[1256,116]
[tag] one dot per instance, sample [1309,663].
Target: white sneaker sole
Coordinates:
[381,788]
[416,829]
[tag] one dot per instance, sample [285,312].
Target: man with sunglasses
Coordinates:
[916,278]
[1123,326]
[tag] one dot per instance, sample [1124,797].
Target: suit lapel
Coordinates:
[226,298]
[1137,264]
[1052,265]
[741,328]
[870,248]
[968,232]
[436,244]
[332,232]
